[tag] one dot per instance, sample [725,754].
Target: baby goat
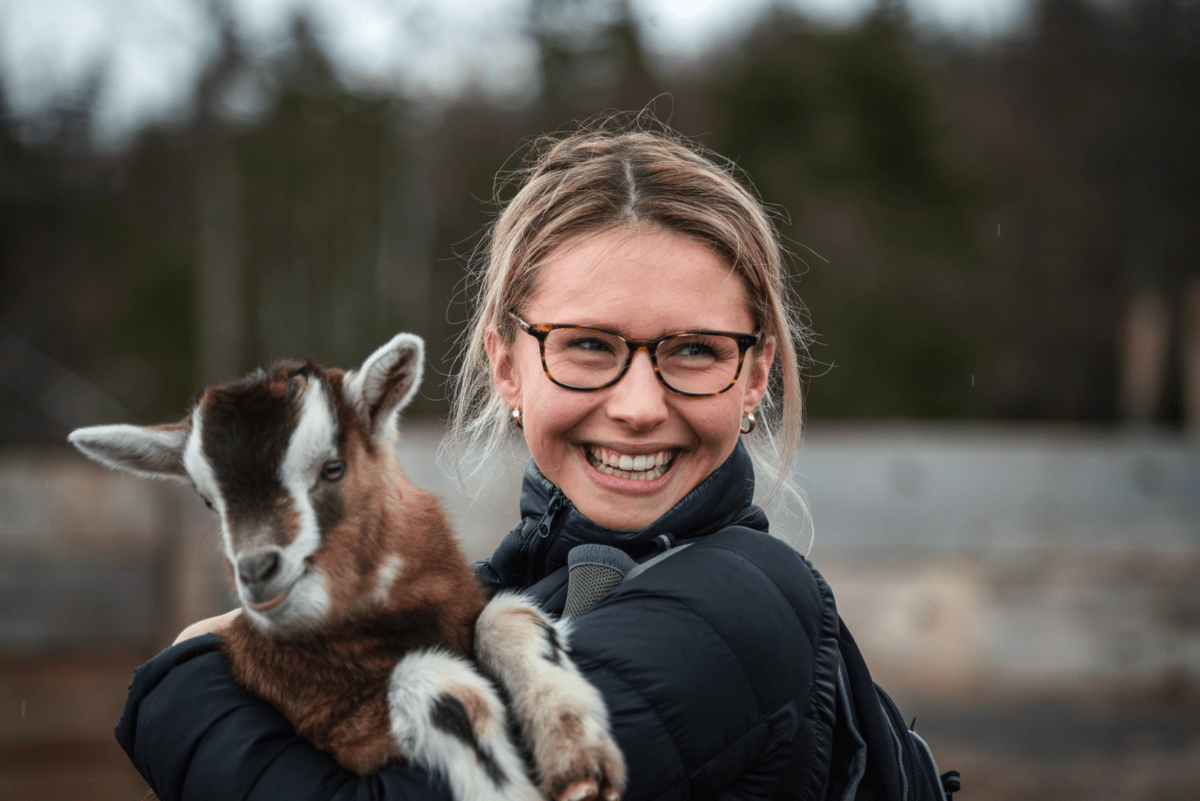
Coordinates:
[360,613]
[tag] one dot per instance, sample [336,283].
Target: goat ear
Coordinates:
[150,451]
[386,382]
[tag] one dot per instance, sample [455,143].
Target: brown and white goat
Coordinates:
[360,613]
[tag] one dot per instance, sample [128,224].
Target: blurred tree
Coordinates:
[1163,179]
[321,186]
[1089,122]
[591,58]
[841,130]
[223,244]
[1004,230]
[215,188]
[82,284]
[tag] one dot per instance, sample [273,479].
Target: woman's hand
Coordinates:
[214,625]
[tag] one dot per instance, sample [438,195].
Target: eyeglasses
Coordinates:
[693,363]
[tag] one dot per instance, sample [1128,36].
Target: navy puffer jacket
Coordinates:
[718,665]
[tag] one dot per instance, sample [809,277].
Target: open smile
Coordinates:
[639,467]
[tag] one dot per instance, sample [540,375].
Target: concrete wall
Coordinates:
[1012,560]
[1004,560]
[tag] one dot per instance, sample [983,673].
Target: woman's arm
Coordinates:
[195,734]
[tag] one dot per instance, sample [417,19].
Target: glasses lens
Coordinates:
[584,357]
[699,363]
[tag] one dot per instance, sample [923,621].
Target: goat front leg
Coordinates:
[448,717]
[563,719]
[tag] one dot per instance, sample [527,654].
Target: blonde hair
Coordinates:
[617,174]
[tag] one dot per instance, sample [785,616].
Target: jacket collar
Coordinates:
[551,525]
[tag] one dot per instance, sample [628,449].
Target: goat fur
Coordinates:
[360,612]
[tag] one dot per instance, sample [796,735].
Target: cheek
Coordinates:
[329,504]
[544,405]
[550,417]
[714,422]
[525,371]
[718,425]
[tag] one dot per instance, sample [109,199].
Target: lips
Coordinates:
[636,467]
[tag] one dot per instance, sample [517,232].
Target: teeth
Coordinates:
[643,467]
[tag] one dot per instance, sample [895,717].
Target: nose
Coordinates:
[639,398]
[259,567]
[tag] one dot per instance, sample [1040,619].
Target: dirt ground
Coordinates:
[1098,750]
[57,713]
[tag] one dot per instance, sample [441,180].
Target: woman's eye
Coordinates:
[694,349]
[333,470]
[690,351]
[596,345]
[699,349]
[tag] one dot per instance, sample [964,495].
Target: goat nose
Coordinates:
[257,568]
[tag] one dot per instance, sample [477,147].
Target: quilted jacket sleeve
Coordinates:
[195,735]
[711,669]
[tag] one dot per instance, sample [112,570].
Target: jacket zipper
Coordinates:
[914,769]
[536,546]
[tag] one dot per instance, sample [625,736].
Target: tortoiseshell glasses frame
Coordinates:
[541,331]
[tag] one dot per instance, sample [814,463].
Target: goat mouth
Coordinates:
[268,605]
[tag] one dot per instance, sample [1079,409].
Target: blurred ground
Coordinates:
[1048,748]
[1032,597]
[59,710]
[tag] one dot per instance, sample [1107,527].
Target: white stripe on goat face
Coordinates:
[204,477]
[312,443]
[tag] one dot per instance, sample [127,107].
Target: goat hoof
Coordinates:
[586,790]
[593,770]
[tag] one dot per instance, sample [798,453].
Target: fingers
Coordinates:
[209,625]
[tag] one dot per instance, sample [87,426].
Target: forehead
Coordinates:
[245,429]
[643,284]
[248,408]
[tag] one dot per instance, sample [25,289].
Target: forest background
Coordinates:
[997,229]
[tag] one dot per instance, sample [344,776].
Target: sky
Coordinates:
[147,53]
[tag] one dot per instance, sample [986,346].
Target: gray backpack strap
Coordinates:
[594,570]
[649,563]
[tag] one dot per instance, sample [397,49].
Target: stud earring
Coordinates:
[751,423]
[516,418]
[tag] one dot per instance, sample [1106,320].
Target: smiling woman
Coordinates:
[632,314]
[608,281]
[608,225]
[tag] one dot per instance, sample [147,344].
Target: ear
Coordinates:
[505,375]
[758,374]
[386,382]
[149,451]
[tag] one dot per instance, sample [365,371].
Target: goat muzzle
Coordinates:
[259,573]
[267,606]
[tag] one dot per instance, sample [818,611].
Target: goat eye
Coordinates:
[333,470]
[208,503]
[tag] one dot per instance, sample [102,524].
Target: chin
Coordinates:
[624,512]
[302,613]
